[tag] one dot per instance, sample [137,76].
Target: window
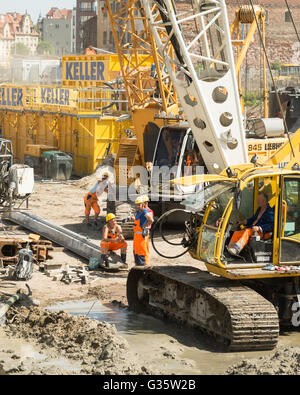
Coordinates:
[291,197]
[290,223]
[287,16]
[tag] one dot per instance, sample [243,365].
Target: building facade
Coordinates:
[105,39]
[16,28]
[57,28]
[85,11]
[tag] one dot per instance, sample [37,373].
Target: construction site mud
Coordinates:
[94,333]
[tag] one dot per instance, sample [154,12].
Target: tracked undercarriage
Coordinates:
[236,315]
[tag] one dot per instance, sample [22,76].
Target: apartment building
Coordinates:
[16,28]
[57,28]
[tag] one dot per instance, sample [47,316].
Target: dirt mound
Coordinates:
[96,344]
[89,181]
[284,361]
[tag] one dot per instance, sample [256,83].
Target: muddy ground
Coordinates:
[37,341]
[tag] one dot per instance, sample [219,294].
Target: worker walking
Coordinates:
[112,239]
[142,221]
[91,198]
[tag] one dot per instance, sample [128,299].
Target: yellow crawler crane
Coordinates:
[240,300]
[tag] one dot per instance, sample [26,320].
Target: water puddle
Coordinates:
[163,345]
[17,352]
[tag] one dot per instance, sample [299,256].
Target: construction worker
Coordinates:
[262,223]
[142,221]
[112,239]
[91,198]
[90,51]
[146,206]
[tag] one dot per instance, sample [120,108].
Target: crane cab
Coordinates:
[176,155]
[231,199]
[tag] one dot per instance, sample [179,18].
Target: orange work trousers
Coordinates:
[91,202]
[141,249]
[240,238]
[106,246]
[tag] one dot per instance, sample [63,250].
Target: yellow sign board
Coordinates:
[30,97]
[85,69]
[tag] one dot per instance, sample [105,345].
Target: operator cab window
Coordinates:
[290,221]
[291,208]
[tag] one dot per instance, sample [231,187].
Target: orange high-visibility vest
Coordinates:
[140,243]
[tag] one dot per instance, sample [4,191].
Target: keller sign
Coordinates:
[91,70]
[11,97]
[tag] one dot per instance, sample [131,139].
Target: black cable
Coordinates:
[292,19]
[162,220]
[153,232]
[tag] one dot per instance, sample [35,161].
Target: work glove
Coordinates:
[145,232]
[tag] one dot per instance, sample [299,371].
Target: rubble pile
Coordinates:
[95,344]
[285,361]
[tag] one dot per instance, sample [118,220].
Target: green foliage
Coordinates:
[252,99]
[276,65]
[45,48]
[20,49]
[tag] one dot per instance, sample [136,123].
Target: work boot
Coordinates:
[123,258]
[104,260]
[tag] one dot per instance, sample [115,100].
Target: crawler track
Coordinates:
[234,314]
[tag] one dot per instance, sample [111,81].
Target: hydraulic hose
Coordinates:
[159,222]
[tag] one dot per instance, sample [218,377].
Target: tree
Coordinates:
[276,65]
[20,49]
[45,48]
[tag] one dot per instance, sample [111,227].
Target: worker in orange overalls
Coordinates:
[262,222]
[91,198]
[142,221]
[112,239]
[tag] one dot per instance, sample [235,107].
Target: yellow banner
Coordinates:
[39,97]
[51,96]
[11,97]
[85,70]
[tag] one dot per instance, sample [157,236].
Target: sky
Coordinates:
[34,7]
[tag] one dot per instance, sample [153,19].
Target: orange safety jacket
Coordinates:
[106,246]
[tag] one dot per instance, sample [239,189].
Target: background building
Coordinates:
[57,29]
[16,29]
[85,24]
[105,39]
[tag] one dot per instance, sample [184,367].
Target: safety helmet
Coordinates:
[146,198]
[105,174]
[139,200]
[110,216]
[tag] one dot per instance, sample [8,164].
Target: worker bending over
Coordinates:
[262,222]
[112,239]
[142,221]
[91,198]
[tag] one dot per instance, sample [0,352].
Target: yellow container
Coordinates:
[77,121]
[88,137]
